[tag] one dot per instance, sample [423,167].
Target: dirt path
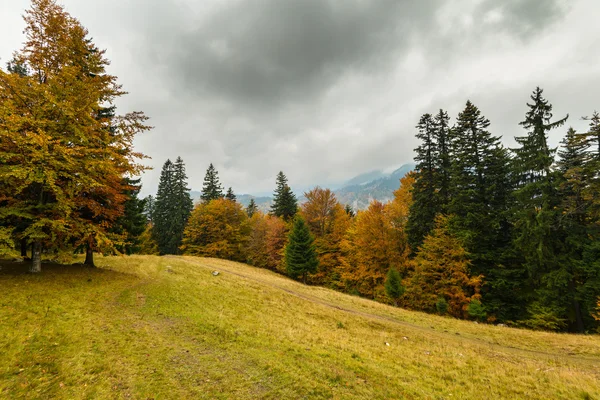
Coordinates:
[534,354]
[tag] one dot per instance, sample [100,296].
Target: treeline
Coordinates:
[527,217]
[477,231]
[66,157]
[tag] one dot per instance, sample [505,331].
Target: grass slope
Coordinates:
[136,328]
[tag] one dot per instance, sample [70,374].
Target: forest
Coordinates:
[477,231]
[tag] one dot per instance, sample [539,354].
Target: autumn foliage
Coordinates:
[63,151]
[441,270]
[219,229]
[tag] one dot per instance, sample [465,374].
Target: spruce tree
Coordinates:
[284,204]
[162,230]
[576,279]
[133,221]
[479,201]
[211,189]
[393,285]
[443,158]
[230,195]
[425,204]
[182,202]
[538,239]
[252,208]
[149,205]
[300,254]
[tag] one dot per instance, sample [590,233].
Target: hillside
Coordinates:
[165,328]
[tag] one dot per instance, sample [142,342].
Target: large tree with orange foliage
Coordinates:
[441,270]
[218,229]
[328,222]
[59,154]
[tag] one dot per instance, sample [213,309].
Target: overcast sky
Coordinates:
[327,89]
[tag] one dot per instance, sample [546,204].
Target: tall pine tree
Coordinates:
[252,208]
[479,201]
[230,195]
[425,204]
[300,254]
[284,204]
[211,189]
[172,208]
[537,236]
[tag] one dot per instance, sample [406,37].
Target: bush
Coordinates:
[476,310]
[441,306]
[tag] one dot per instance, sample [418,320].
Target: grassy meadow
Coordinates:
[146,327]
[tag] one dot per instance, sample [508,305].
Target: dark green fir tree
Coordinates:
[252,208]
[425,204]
[172,208]
[577,277]
[133,221]
[211,189]
[230,195]
[538,238]
[300,254]
[479,193]
[284,204]
[393,285]
[163,229]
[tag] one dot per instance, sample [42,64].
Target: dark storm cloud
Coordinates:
[327,89]
[267,52]
[270,52]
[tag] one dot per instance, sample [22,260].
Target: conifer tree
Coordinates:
[132,224]
[284,204]
[211,189]
[441,270]
[537,236]
[300,255]
[393,285]
[163,230]
[252,208]
[443,158]
[230,195]
[149,205]
[576,279]
[181,200]
[479,201]
[425,200]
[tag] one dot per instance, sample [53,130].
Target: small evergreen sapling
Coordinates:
[393,285]
[300,255]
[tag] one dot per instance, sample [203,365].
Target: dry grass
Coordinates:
[135,328]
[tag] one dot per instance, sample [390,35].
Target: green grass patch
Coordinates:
[134,328]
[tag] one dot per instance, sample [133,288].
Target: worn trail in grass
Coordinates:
[137,329]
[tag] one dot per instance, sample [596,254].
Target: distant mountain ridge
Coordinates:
[358,192]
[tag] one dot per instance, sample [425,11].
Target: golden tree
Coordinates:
[328,222]
[218,229]
[441,270]
[62,155]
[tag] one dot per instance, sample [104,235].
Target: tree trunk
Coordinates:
[24,248]
[89,256]
[36,257]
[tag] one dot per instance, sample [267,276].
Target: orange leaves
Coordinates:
[328,222]
[441,270]
[216,229]
[63,155]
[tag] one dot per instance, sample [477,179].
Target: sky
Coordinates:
[324,90]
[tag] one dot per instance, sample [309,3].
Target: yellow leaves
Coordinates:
[441,270]
[216,229]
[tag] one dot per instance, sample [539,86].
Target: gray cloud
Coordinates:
[326,89]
